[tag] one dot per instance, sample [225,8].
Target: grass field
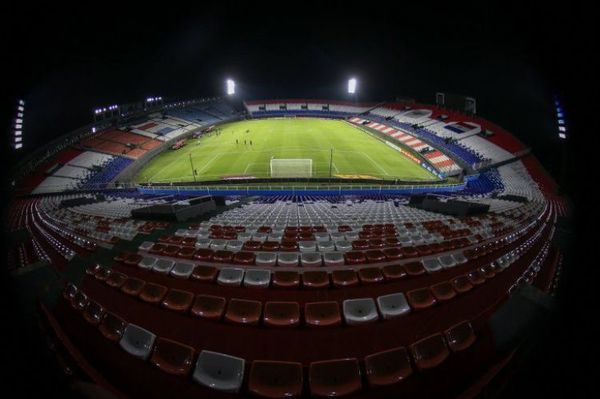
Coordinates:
[355,153]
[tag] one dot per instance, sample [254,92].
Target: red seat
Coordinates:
[186,252]
[288,246]
[315,279]
[322,314]
[409,252]
[392,253]
[360,245]
[429,352]
[171,250]
[388,367]
[460,336]
[102,273]
[209,307]
[355,258]
[344,228]
[243,311]
[116,279]
[423,249]
[189,242]
[475,277]
[270,246]
[370,275]
[443,291]
[178,300]
[286,279]
[264,229]
[394,272]
[205,273]
[375,255]
[487,271]
[172,357]
[344,278]
[164,238]
[306,236]
[273,379]
[112,326]
[462,284]
[375,243]
[244,258]
[414,268]
[281,314]
[153,293]
[133,259]
[120,257]
[133,286]
[203,254]
[251,246]
[93,313]
[157,248]
[334,377]
[223,256]
[391,242]
[421,298]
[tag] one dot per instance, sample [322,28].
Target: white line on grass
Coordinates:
[375,163]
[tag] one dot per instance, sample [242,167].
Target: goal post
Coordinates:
[291,167]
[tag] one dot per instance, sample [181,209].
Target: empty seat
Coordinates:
[93,313]
[334,377]
[392,253]
[218,244]
[146,246]
[311,259]
[137,341]
[147,262]
[360,311]
[447,261]
[234,245]
[462,284]
[281,314]
[112,326]
[286,279]
[163,266]
[370,275]
[244,258]
[252,245]
[172,357]
[388,367]
[344,278]
[460,336]
[287,259]
[274,379]
[325,246]
[209,306]
[178,300]
[375,255]
[475,277]
[322,314]
[231,276]
[243,311]
[116,279]
[153,293]
[219,371]
[204,254]
[393,305]
[394,272]
[443,291]
[204,273]
[80,300]
[102,273]
[182,269]
[315,279]
[333,259]
[432,265]
[257,278]
[186,253]
[223,256]
[307,246]
[421,298]
[355,258]
[459,258]
[429,352]
[133,286]
[343,246]
[202,243]
[266,259]
[414,268]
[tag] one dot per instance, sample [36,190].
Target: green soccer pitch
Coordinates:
[356,154]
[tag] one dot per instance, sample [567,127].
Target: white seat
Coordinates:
[320,237]
[218,244]
[266,259]
[244,236]
[336,236]
[182,269]
[351,235]
[393,305]
[219,371]
[257,278]
[360,311]
[311,259]
[146,245]
[326,246]
[459,258]
[147,262]
[333,258]
[181,232]
[234,245]
[274,237]
[447,261]
[163,266]
[137,341]
[287,259]
[343,245]
[261,237]
[202,243]
[431,265]
[231,276]
[307,246]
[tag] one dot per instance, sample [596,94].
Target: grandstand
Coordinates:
[299,283]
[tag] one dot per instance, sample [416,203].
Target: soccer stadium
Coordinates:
[238,245]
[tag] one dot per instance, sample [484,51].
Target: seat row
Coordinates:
[271,378]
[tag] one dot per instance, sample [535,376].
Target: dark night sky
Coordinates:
[512,58]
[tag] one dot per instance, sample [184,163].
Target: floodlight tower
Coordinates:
[352,88]
[230,84]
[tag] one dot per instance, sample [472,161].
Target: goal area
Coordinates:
[291,167]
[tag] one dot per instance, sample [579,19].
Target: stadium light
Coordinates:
[560,116]
[230,87]
[352,86]
[17,131]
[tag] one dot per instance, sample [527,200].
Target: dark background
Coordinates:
[64,60]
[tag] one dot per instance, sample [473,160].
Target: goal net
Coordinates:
[291,167]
